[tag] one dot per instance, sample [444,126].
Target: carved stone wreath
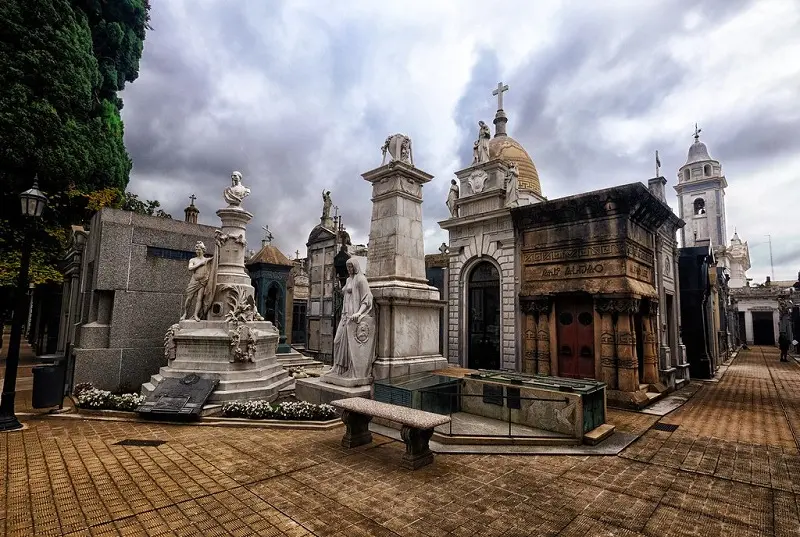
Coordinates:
[169,341]
[242,310]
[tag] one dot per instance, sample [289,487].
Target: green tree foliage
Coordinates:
[118,32]
[59,116]
[148,207]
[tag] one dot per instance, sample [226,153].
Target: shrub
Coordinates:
[87,396]
[262,410]
[82,387]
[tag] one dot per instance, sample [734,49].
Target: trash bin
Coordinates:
[48,384]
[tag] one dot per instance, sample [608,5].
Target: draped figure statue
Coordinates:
[354,344]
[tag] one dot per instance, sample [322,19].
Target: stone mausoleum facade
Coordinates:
[589,302]
[582,287]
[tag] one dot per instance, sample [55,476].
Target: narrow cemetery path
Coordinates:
[731,467]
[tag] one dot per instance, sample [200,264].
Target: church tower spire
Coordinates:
[701,197]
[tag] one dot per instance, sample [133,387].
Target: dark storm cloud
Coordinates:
[763,136]
[288,96]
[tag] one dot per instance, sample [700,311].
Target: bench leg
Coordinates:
[417,454]
[357,433]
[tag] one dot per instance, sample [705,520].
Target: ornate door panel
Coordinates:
[483,317]
[575,333]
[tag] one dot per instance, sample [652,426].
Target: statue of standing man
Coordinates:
[198,288]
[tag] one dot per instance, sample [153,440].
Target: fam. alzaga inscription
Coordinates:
[582,269]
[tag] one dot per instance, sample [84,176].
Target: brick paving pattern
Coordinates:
[731,468]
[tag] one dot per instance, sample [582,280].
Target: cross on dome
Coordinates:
[697,133]
[499,93]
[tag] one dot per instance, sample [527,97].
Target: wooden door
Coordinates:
[575,333]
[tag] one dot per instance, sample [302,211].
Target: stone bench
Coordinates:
[417,429]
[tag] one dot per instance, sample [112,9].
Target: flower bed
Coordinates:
[264,410]
[87,396]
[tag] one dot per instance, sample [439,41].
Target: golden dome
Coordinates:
[507,148]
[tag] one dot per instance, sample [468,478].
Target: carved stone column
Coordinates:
[529,350]
[541,307]
[649,327]
[625,339]
[608,355]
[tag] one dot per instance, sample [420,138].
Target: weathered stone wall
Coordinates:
[133,279]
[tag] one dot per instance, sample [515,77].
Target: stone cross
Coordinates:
[192,198]
[697,133]
[499,92]
[443,248]
[267,235]
[297,254]
[335,212]
[658,165]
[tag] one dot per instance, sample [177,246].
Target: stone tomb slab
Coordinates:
[175,397]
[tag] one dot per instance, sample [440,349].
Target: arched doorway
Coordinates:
[483,317]
[273,307]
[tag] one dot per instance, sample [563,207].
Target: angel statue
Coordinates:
[200,288]
[237,192]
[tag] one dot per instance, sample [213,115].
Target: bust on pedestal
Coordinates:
[223,337]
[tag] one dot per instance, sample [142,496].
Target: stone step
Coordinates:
[228,385]
[221,365]
[148,388]
[174,372]
[267,393]
[301,361]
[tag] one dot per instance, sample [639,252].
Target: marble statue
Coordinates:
[199,289]
[475,152]
[326,204]
[512,186]
[452,197]
[484,135]
[237,192]
[398,148]
[354,344]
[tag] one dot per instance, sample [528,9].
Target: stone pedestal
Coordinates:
[407,307]
[233,283]
[233,345]
[314,390]
[204,348]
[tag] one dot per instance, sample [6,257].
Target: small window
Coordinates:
[686,175]
[565,318]
[585,318]
[707,170]
[699,206]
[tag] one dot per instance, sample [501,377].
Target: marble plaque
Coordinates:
[179,396]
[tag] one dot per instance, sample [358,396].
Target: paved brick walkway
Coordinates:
[730,468]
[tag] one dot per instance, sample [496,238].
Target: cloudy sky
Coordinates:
[299,96]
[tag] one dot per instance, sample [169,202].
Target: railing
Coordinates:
[498,399]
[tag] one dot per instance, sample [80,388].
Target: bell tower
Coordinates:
[701,197]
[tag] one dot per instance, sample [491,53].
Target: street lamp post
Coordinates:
[33,203]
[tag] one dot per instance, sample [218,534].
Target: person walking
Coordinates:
[785,336]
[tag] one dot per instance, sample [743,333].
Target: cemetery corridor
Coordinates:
[730,467]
